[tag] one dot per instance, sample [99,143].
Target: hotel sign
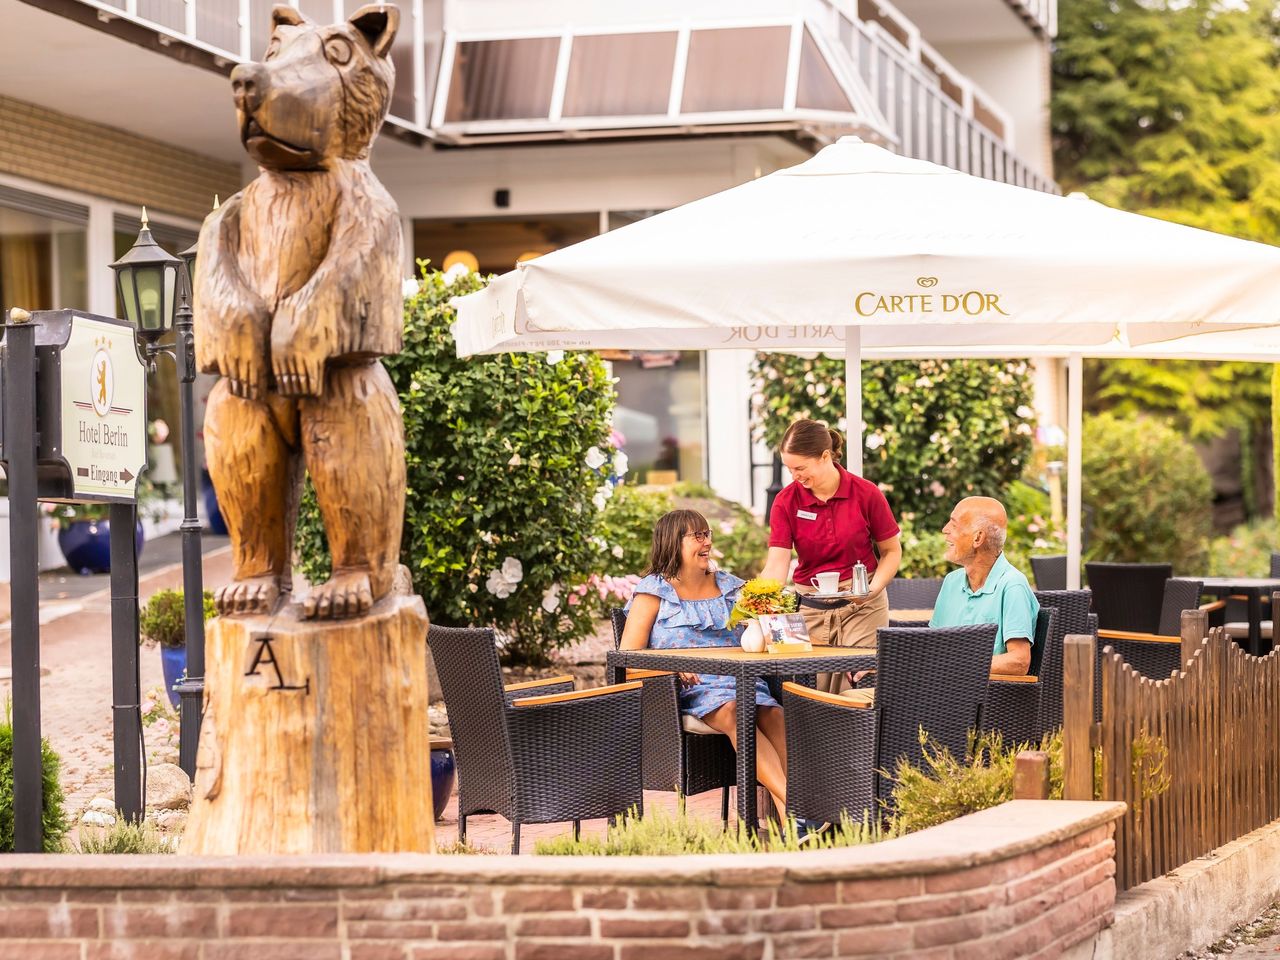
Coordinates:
[91,408]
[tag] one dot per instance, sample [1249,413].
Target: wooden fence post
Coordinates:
[1195,627]
[1077,716]
[1031,775]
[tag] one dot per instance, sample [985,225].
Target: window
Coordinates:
[42,261]
[818,88]
[739,68]
[497,242]
[620,75]
[660,414]
[502,79]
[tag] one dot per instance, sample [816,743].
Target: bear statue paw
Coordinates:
[345,594]
[254,595]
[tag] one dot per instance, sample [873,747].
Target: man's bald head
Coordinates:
[977,527]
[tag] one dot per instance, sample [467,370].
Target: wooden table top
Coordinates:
[737,653]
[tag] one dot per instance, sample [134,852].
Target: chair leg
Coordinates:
[724,807]
[577,830]
[515,838]
[462,828]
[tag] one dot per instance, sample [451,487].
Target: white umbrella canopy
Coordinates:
[861,250]
[911,253]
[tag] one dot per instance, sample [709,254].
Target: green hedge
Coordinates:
[53,817]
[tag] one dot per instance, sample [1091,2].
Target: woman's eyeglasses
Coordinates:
[702,536]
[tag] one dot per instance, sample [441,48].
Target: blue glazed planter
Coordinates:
[443,772]
[174,661]
[86,545]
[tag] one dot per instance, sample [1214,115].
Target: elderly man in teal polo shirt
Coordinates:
[987,588]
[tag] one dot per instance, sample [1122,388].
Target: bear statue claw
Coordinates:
[254,595]
[343,595]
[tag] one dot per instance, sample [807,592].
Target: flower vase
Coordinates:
[753,637]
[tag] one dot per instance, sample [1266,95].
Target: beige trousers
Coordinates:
[847,626]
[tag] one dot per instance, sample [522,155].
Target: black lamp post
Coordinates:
[145,269]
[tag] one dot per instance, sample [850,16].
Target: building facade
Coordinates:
[516,128]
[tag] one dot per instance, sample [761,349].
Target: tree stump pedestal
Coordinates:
[314,738]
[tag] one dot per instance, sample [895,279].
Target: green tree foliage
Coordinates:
[1147,493]
[502,511]
[1171,108]
[936,430]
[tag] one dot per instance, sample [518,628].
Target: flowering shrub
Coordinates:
[935,430]
[509,464]
[1246,552]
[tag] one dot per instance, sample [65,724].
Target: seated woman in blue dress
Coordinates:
[684,602]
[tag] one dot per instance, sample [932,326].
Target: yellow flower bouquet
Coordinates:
[760,596]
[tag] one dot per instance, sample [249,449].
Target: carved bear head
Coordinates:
[320,93]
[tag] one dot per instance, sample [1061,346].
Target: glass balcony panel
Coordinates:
[167,13]
[216,24]
[983,114]
[620,75]
[818,88]
[502,79]
[738,68]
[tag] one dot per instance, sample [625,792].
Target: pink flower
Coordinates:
[575,599]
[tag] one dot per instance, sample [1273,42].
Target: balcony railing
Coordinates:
[934,110]
[1043,13]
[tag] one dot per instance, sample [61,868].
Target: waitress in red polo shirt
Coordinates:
[832,519]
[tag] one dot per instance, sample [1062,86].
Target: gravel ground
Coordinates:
[1258,938]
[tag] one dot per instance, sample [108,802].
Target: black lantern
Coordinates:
[189,261]
[147,278]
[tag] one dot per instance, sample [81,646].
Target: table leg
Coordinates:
[1255,622]
[746,696]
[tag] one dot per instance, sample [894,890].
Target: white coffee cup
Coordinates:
[828,582]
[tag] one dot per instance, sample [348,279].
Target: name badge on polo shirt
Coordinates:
[806,515]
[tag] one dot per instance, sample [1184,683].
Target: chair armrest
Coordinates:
[576,695]
[893,622]
[1265,598]
[544,682]
[823,697]
[638,674]
[1215,605]
[1138,637]
[1011,678]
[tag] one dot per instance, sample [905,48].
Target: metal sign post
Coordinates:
[19,397]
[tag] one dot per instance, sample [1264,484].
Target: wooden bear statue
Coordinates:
[297,294]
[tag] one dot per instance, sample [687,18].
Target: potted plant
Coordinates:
[760,598]
[162,623]
[443,771]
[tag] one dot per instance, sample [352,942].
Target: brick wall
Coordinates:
[927,897]
[66,151]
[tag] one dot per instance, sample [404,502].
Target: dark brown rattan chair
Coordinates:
[913,593]
[935,680]
[1158,654]
[1071,618]
[1050,572]
[675,758]
[535,752]
[1128,596]
[1013,703]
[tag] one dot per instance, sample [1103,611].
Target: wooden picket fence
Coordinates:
[1196,757]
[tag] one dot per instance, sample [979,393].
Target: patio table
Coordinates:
[746,668]
[1253,589]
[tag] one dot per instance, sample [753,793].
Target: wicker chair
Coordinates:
[535,752]
[1128,596]
[1050,572]
[1158,654]
[680,752]
[1072,617]
[911,593]
[836,748]
[1013,703]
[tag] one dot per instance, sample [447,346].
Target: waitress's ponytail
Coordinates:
[837,446]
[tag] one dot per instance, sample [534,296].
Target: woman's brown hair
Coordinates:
[668,536]
[812,438]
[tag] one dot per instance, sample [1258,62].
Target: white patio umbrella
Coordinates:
[858,248]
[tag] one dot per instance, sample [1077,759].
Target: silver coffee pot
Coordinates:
[860,587]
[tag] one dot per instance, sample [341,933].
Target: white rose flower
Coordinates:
[512,570]
[551,598]
[1024,429]
[554,356]
[620,464]
[409,288]
[605,490]
[617,551]
[598,501]
[595,459]
[1025,412]
[497,585]
[515,460]
[453,273]
[875,441]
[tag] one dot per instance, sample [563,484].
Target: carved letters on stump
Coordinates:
[297,295]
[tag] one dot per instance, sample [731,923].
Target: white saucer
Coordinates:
[838,595]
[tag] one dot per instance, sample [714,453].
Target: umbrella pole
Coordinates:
[853,397]
[1075,425]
